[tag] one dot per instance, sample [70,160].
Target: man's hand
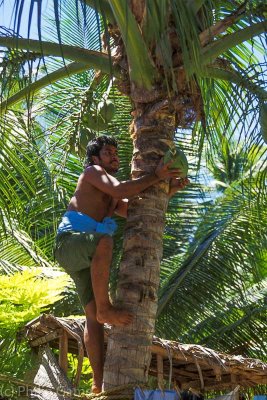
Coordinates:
[177,184]
[163,172]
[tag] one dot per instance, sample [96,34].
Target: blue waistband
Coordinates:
[79,222]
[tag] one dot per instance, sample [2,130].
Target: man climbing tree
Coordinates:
[84,242]
[182,64]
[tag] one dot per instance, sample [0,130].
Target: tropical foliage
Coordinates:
[213,274]
[24,295]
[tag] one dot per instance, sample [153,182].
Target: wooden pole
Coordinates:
[160,371]
[63,351]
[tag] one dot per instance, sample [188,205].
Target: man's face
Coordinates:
[108,158]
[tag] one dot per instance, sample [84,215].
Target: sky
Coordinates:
[7,13]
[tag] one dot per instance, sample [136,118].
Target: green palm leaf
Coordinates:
[221,264]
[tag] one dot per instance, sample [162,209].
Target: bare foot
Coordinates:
[96,389]
[114,316]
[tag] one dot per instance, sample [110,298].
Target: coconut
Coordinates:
[98,118]
[96,123]
[178,159]
[263,121]
[106,110]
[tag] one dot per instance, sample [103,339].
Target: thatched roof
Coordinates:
[190,366]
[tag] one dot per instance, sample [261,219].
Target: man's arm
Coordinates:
[177,185]
[122,208]
[98,177]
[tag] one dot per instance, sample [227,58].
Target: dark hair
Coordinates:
[95,145]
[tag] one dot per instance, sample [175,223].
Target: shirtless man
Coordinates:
[84,241]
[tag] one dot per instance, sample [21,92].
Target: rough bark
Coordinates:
[128,353]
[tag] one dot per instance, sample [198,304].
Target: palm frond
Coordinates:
[235,77]
[70,69]
[141,66]
[187,206]
[210,52]
[240,325]
[103,7]
[232,111]
[221,265]
[92,58]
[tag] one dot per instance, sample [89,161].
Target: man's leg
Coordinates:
[100,266]
[94,343]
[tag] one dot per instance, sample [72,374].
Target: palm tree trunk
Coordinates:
[128,354]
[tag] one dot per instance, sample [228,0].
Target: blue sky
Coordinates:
[7,16]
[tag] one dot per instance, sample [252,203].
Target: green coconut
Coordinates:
[106,110]
[178,159]
[263,121]
[95,122]
[98,118]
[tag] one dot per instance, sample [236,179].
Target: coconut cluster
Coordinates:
[92,118]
